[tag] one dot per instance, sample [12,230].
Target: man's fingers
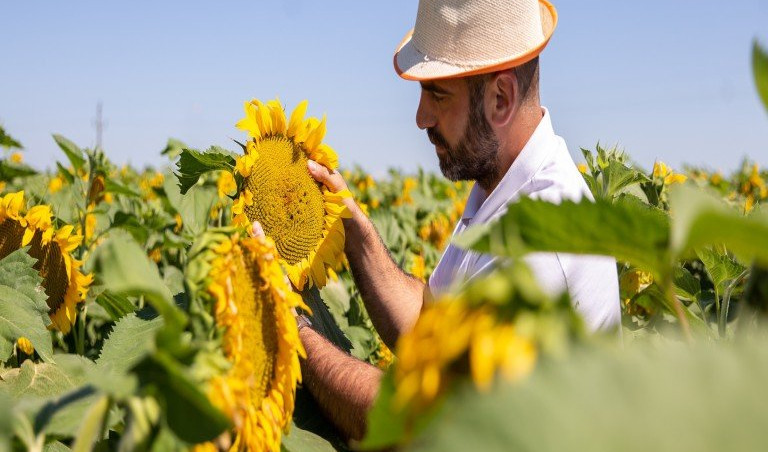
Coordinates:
[331,179]
[319,172]
[257,230]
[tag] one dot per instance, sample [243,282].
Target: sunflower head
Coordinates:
[64,283]
[251,305]
[453,339]
[299,214]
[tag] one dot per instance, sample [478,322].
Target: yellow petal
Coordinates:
[278,116]
[297,119]
[315,135]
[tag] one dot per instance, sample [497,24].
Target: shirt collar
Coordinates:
[523,168]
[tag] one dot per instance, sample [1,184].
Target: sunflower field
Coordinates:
[138,311]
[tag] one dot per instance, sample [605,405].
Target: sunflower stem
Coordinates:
[80,333]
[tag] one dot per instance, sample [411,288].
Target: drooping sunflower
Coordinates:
[252,307]
[302,216]
[64,283]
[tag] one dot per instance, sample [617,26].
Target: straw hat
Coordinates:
[456,38]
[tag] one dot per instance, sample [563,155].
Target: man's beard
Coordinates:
[475,156]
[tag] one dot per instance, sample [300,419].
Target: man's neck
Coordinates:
[513,142]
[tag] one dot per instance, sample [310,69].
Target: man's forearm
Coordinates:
[344,387]
[392,297]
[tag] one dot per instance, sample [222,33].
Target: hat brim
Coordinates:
[412,64]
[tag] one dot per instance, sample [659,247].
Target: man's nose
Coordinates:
[424,115]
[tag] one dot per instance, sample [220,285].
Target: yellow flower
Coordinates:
[65,285]
[55,184]
[716,178]
[446,334]
[108,198]
[226,184]
[383,356]
[662,171]
[749,203]
[417,267]
[2,186]
[754,177]
[582,168]
[90,226]
[300,215]
[17,157]
[408,185]
[25,345]
[252,308]
[179,223]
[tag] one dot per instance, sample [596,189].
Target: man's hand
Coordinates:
[330,178]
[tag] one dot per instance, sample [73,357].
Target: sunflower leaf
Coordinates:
[126,270]
[10,170]
[626,229]
[130,340]
[72,151]
[7,141]
[23,307]
[192,164]
[700,219]
[300,440]
[189,413]
[760,70]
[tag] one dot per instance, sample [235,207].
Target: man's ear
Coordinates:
[502,97]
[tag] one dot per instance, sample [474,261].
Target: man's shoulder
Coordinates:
[557,178]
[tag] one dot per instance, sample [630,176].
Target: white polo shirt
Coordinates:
[543,170]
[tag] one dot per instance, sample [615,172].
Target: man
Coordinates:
[477,62]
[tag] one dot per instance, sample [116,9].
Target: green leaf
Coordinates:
[23,308]
[700,219]
[73,152]
[322,319]
[188,411]
[91,428]
[299,440]
[619,177]
[129,342]
[760,71]
[192,164]
[720,267]
[126,270]
[7,141]
[52,393]
[38,380]
[113,187]
[173,148]
[627,229]
[9,170]
[195,208]
[716,390]
[56,446]
[687,286]
[117,306]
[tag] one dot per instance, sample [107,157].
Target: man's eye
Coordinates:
[438,97]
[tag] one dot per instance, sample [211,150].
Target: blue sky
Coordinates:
[666,80]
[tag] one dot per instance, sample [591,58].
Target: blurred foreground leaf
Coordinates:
[760,71]
[126,270]
[627,229]
[710,398]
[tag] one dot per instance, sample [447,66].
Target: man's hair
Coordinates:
[527,83]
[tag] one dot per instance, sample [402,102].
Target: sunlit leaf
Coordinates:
[626,229]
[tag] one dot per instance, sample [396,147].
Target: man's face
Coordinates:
[452,112]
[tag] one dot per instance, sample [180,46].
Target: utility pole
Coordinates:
[99,124]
